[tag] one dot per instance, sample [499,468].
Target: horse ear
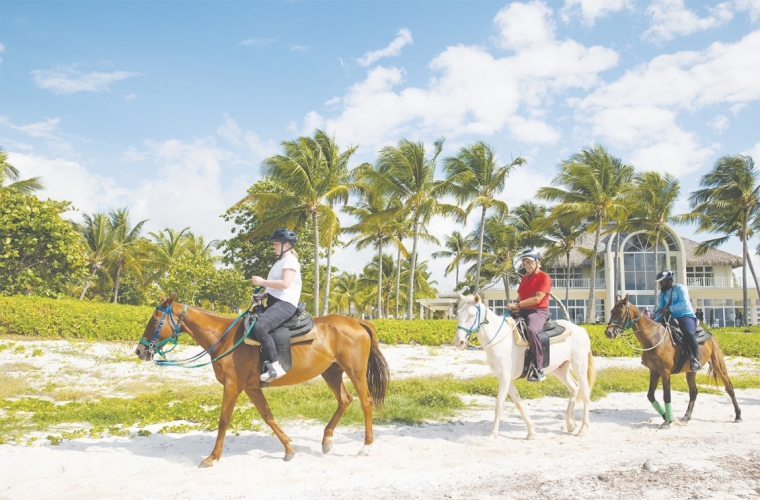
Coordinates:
[461,297]
[163,297]
[171,299]
[477,298]
[625,299]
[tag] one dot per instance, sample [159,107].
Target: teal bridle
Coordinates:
[155,347]
[476,324]
[624,323]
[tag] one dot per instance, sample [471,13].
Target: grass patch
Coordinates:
[408,401]
[19,366]
[11,387]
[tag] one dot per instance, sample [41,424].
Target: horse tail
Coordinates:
[378,374]
[590,371]
[716,361]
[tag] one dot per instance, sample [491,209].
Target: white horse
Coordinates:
[506,359]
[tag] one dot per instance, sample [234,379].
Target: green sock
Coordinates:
[658,408]
[668,412]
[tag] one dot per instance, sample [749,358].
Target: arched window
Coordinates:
[638,262]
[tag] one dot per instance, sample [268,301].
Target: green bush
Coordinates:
[67,318]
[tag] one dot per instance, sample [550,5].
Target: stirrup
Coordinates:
[271,374]
[695,365]
[536,375]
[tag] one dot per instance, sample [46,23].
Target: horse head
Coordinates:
[158,329]
[469,315]
[622,317]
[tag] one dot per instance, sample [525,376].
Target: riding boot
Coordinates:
[693,345]
[536,374]
[274,371]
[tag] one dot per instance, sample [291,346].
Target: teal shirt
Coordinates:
[680,306]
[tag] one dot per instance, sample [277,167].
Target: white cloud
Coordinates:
[591,10]
[331,102]
[403,38]
[129,97]
[2,49]
[258,42]
[640,110]
[753,6]
[255,149]
[300,48]
[671,18]
[473,92]
[754,153]
[67,80]
[719,124]
[45,129]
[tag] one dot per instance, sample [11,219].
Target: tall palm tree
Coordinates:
[98,235]
[728,203]
[169,245]
[501,242]
[654,197]
[596,186]
[127,247]
[336,163]
[527,218]
[384,285]
[310,187]
[347,287]
[563,233]
[198,248]
[402,229]
[10,174]
[456,249]
[406,173]
[474,177]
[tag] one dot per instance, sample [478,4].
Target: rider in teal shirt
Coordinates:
[674,300]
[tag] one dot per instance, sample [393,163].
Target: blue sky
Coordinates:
[169,107]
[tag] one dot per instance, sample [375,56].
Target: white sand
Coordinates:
[711,457]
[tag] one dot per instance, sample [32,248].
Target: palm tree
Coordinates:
[126,253]
[347,287]
[337,166]
[596,187]
[9,173]
[654,197]
[728,203]
[198,248]
[383,285]
[501,241]
[457,246]
[98,235]
[473,176]
[406,173]
[170,245]
[563,233]
[311,187]
[527,218]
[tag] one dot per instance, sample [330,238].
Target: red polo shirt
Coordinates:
[532,283]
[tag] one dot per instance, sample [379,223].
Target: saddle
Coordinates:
[550,334]
[677,335]
[299,328]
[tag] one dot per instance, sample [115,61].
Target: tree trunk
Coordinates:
[89,281]
[657,244]
[328,274]
[116,285]
[745,256]
[505,279]
[757,286]
[316,261]
[561,307]
[567,283]
[398,281]
[591,306]
[618,284]
[412,266]
[379,277]
[480,249]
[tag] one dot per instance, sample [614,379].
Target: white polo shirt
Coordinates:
[292,294]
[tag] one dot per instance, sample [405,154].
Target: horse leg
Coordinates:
[334,378]
[691,379]
[229,399]
[654,380]
[515,396]
[718,367]
[501,396]
[358,376]
[257,398]
[666,397]
[564,376]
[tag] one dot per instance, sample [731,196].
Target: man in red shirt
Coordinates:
[533,305]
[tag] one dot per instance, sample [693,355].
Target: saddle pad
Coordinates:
[293,340]
[557,334]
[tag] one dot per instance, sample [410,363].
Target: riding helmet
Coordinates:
[665,274]
[529,253]
[284,235]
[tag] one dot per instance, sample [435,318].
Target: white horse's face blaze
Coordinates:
[467,315]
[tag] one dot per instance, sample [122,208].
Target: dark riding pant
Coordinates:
[535,319]
[688,326]
[276,313]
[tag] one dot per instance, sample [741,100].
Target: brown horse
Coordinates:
[342,345]
[659,355]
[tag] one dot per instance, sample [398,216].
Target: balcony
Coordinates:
[599,283]
[730,282]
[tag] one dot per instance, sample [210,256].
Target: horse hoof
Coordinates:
[364,452]
[289,456]
[326,448]
[581,433]
[570,427]
[206,464]
[665,426]
[530,437]
[738,419]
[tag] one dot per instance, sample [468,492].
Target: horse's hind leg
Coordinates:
[257,398]
[334,378]
[358,376]
[691,379]
[563,374]
[718,367]
[515,396]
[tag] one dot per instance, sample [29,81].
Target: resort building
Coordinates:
[626,265]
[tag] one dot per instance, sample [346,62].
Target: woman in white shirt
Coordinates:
[283,291]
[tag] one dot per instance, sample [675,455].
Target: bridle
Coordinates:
[475,328]
[625,322]
[155,347]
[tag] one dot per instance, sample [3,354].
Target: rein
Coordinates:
[625,323]
[155,347]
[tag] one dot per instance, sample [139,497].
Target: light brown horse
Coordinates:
[342,345]
[659,354]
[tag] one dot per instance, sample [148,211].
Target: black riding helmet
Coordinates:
[284,235]
[665,274]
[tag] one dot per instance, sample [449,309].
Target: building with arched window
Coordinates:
[626,265]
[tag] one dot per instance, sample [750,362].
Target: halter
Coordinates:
[627,322]
[154,347]
[474,328]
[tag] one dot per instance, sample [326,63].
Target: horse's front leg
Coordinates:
[229,399]
[654,380]
[257,398]
[691,379]
[501,396]
[666,397]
